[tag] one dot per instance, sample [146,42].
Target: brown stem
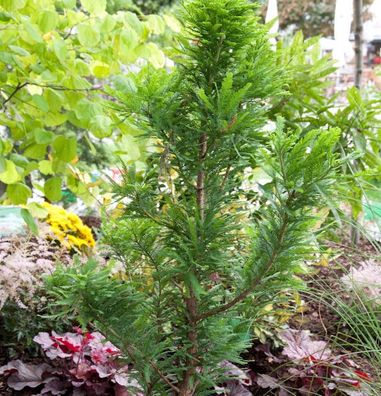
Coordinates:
[17,88]
[201,175]
[186,388]
[224,180]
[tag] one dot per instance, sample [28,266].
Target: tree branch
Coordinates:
[244,294]
[17,88]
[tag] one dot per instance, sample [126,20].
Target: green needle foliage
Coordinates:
[192,253]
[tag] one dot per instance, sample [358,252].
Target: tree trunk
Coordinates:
[187,386]
[358,30]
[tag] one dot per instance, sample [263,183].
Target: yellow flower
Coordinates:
[68,228]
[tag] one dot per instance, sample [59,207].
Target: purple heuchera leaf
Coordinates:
[82,363]
[239,379]
[122,391]
[233,371]
[60,346]
[266,381]
[299,345]
[234,388]
[55,387]
[121,377]
[23,375]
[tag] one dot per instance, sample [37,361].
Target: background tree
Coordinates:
[312,17]
[144,6]
[58,61]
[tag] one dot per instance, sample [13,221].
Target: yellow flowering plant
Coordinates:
[68,228]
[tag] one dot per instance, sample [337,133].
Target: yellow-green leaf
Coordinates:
[65,148]
[52,188]
[88,35]
[28,218]
[95,7]
[100,69]
[10,174]
[45,167]
[19,193]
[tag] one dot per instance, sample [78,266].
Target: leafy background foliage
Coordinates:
[55,66]
[313,18]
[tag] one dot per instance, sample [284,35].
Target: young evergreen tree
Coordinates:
[191,252]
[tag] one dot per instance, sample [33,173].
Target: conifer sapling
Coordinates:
[192,252]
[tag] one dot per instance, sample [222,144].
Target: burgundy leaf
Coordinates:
[25,375]
[235,388]
[55,387]
[121,391]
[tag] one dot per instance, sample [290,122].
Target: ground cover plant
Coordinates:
[193,253]
[80,364]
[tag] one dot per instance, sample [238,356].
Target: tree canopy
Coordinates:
[59,61]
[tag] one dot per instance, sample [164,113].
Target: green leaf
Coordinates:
[19,160]
[156,24]
[60,49]
[129,40]
[6,146]
[53,188]
[5,17]
[48,21]
[69,3]
[45,167]
[354,97]
[108,24]
[33,34]
[35,151]
[88,35]
[19,193]
[41,136]
[65,148]
[87,110]
[194,284]
[3,164]
[56,99]
[13,5]
[95,7]
[41,103]
[82,68]
[172,23]
[152,54]
[37,210]
[19,50]
[100,126]
[10,174]
[100,69]
[124,84]
[29,220]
